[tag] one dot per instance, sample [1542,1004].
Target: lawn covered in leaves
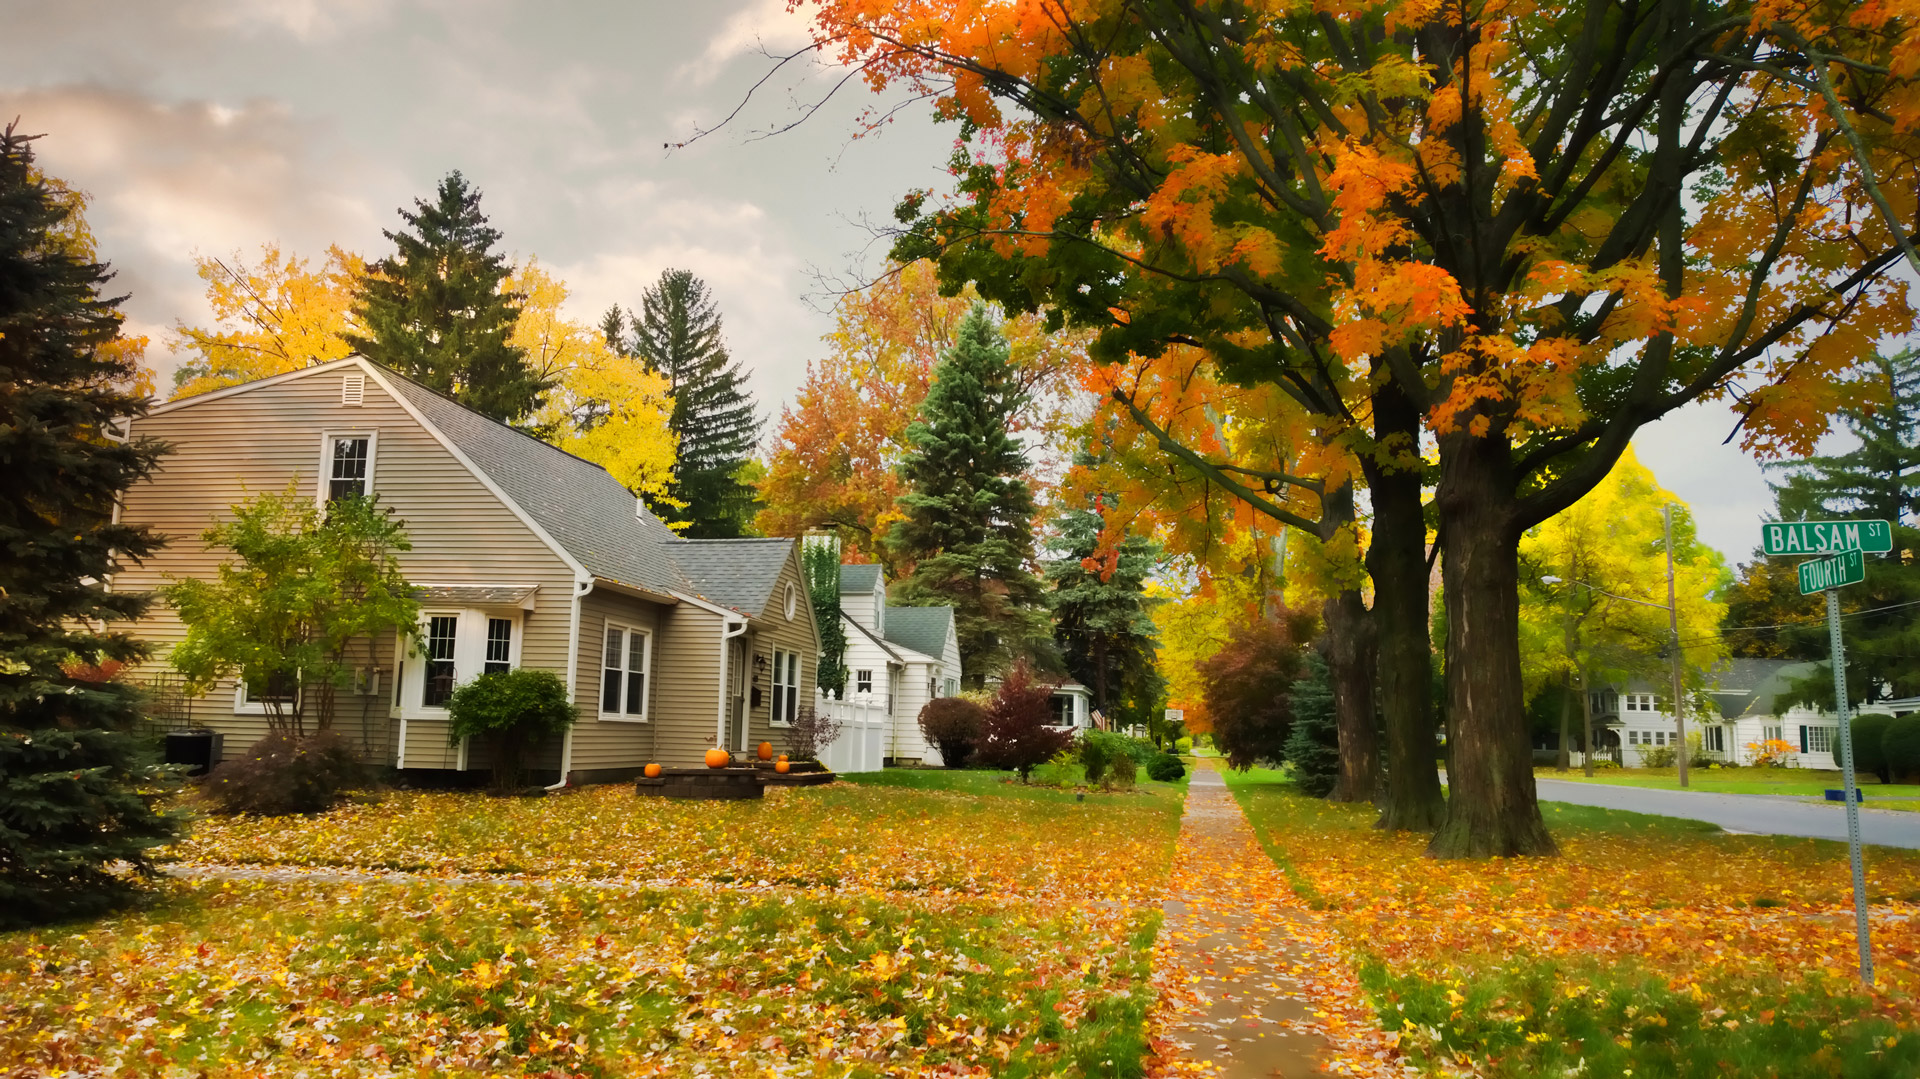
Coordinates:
[1650,946]
[848,930]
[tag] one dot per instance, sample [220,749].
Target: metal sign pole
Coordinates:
[1852,790]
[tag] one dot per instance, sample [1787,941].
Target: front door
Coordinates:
[737,692]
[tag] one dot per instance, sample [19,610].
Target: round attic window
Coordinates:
[793,601]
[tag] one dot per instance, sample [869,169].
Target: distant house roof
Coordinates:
[923,629]
[1765,698]
[1736,681]
[737,573]
[859,578]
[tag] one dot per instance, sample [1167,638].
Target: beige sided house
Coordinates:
[524,556]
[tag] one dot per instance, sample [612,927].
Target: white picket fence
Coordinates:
[862,744]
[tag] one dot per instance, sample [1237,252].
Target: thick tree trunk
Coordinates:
[1492,807]
[1397,562]
[1349,655]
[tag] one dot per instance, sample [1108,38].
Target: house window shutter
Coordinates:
[1803,738]
[353,390]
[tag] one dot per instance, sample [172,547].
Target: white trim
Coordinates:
[793,688]
[792,601]
[242,705]
[728,631]
[469,654]
[328,437]
[580,590]
[627,631]
[270,380]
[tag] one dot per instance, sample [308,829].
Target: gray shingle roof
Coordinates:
[860,578]
[736,573]
[580,505]
[923,629]
[1764,699]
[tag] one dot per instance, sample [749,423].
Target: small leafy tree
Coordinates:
[1017,734]
[1313,745]
[1249,691]
[812,730]
[511,711]
[310,592]
[955,725]
[77,793]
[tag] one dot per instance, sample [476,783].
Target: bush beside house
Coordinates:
[512,711]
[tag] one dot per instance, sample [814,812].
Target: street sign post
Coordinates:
[1845,543]
[1821,574]
[1826,537]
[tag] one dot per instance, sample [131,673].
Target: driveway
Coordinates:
[1765,814]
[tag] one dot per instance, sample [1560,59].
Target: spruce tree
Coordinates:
[438,311]
[76,790]
[677,332]
[1100,614]
[968,527]
[1878,478]
[1313,743]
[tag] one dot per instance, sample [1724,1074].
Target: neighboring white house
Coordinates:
[1636,718]
[1072,704]
[900,657]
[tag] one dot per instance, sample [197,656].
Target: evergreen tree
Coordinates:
[1879,478]
[1313,744]
[968,527]
[1102,623]
[677,332]
[75,789]
[438,311]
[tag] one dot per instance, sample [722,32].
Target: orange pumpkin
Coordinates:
[766,751]
[717,758]
[782,766]
[783,756]
[653,771]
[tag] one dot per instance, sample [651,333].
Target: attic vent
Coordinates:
[353,390]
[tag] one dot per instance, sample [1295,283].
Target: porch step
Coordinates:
[702,784]
[816,778]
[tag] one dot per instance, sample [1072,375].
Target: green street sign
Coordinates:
[1826,537]
[1820,574]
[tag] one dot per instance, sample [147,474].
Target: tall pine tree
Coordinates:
[438,311]
[1878,478]
[968,527]
[75,788]
[1101,618]
[677,332]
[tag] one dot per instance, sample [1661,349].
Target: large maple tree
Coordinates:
[1528,227]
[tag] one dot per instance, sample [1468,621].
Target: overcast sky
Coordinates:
[212,126]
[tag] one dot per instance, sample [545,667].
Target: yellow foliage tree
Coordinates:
[75,237]
[1606,551]
[611,409]
[276,315]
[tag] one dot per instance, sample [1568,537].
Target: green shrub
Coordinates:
[1184,747]
[1869,748]
[1121,773]
[285,773]
[1101,752]
[1900,745]
[1095,754]
[1659,756]
[1165,768]
[511,710]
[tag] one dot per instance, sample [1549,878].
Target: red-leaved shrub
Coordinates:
[955,726]
[284,773]
[1017,735]
[1248,686]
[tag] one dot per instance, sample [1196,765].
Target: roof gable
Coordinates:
[859,577]
[923,629]
[736,573]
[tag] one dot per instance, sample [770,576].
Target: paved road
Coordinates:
[1762,813]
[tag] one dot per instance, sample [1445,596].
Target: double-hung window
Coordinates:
[443,637]
[786,687]
[623,673]
[348,466]
[499,646]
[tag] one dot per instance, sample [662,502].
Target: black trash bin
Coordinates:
[200,749]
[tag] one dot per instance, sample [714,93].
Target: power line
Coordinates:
[1724,630]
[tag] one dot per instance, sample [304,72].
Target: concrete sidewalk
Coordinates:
[1763,814]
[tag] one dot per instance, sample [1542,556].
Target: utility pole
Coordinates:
[1673,643]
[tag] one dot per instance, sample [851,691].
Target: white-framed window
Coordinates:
[257,700]
[1714,739]
[346,464]
[953,687]
[786,688]
[1820,739]
[863,681]
[1770,733]
[449,649]
[1633,738]
[626,660]
[793,601]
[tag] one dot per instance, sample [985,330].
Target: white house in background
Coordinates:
[1072,703]
[1747,712]
[901,657]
